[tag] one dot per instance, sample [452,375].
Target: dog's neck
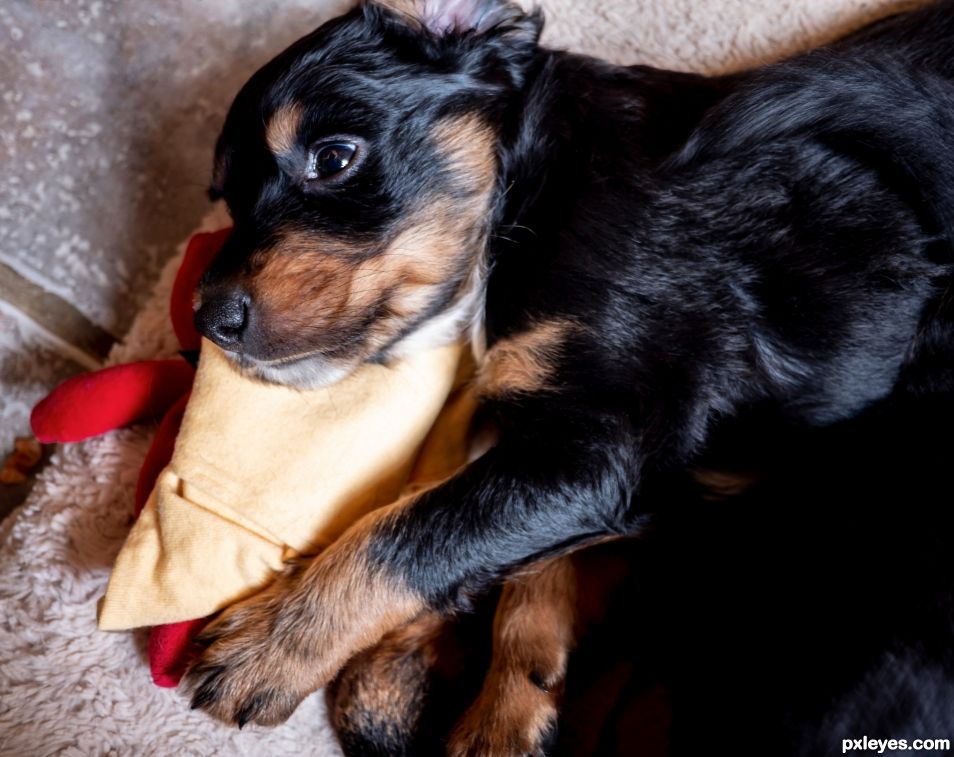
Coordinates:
[581,134]
[580,121]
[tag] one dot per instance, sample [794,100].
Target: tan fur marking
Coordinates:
[533,635]
[721,484]
[281,134]
[386,684]
[524,363]
[467,144]
[308,285]
[305,278]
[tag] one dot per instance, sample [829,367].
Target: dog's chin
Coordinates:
[306,372]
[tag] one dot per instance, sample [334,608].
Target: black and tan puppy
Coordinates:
[648,253]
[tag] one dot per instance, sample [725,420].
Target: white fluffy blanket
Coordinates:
[66,688]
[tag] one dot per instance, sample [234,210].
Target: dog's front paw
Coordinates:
[263,656]
[252,670]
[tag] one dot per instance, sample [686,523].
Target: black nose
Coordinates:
[223,319]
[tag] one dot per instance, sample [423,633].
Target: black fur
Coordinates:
[808,270]
[816,607]
[776,242]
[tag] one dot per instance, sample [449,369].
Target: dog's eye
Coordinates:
[330,159]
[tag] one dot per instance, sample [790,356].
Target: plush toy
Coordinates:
[258,473]
[263,473]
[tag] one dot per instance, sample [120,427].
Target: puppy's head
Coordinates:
[360,170]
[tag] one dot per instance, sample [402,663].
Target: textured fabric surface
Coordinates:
[68,688]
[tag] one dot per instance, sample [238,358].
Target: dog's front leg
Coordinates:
[527,497]
[265,654]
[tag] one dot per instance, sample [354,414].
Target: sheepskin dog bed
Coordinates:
[67,688]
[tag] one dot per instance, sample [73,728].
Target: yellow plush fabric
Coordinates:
[261,473]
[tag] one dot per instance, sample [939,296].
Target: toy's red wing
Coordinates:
[97,402]
[201,249]
[172,649]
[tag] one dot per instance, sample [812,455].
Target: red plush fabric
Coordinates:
[160,453]
[172,649]
[199,253]
[101,401]
[94,403]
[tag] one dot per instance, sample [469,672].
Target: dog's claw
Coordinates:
[201,700]
[205,693]
[205,639]
[253,705]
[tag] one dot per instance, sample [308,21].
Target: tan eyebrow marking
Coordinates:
[281,133]
[467,143]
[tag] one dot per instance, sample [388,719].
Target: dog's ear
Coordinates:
[444,17]
[501,25]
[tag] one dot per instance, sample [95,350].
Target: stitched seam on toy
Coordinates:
[188,491]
